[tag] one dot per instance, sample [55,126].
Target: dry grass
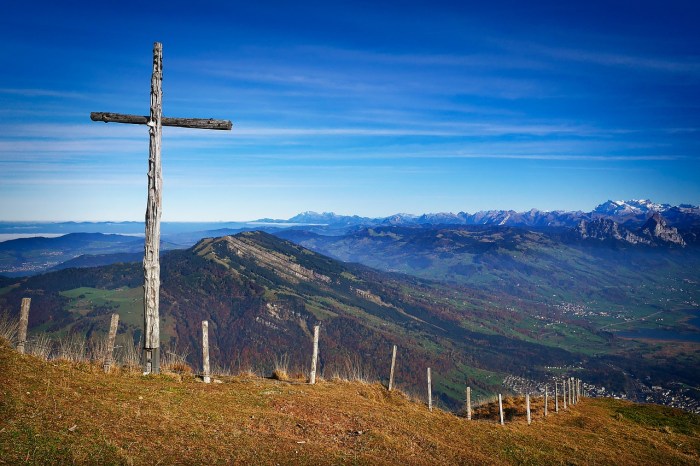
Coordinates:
[127,353]
[175,361]
[40,346]
[66,413]
[8,327]
[281,369]
[72,348]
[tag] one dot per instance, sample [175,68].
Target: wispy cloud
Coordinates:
[43,93]
[690,65]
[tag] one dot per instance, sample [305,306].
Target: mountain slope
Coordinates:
[61,413]
[534,265]
[262,296]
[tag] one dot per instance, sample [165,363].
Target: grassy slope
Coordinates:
[65,413]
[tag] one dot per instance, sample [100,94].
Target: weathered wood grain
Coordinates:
[430,392]
[23,323]
[151,262]
[109,351]
[206,373]
[393,364]
[500,408]
[151,259]
[469,403]
[527,408]
[314,357]
[196,123]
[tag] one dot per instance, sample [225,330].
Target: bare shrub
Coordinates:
[281,369]
[8,327]
[126,352]
[174,360]
[72,348]
[355,371]
[221,371]
[97,348]
[40,346]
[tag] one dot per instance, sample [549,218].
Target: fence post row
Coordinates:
[556,396]
[23,323]
[114,323]
[546,399]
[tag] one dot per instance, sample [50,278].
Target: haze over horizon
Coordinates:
[356,109]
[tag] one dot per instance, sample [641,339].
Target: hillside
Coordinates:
[611,281]
[262,296]
[65,413]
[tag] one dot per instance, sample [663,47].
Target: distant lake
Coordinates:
[9,236]
[669,335]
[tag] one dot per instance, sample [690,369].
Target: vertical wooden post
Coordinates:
[500,408]
[206,374]
[469,403]
[572,389]
[151,258]
[556,396]
[571,395]
[393,364]
[314,357]
[23,323]
[546,399]
[527,408]
[110,341]
[580,388]
[430,392]
[563,387]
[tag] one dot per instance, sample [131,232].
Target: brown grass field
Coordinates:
[71,413]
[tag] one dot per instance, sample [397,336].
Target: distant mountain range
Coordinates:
[639,223]
[631,214]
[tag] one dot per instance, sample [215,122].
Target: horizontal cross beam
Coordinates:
[198,123]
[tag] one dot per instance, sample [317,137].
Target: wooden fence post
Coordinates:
[563,387]
[580,391]
[469,403]
[571,395]
[500,408]
[110,341]
[314,357]
[23,322]
[546,399]
[556,396]
[393,364]
[527,407]
[430,392]
[206,375]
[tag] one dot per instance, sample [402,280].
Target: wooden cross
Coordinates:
[151,262]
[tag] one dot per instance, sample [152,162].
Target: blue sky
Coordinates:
[368,108]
